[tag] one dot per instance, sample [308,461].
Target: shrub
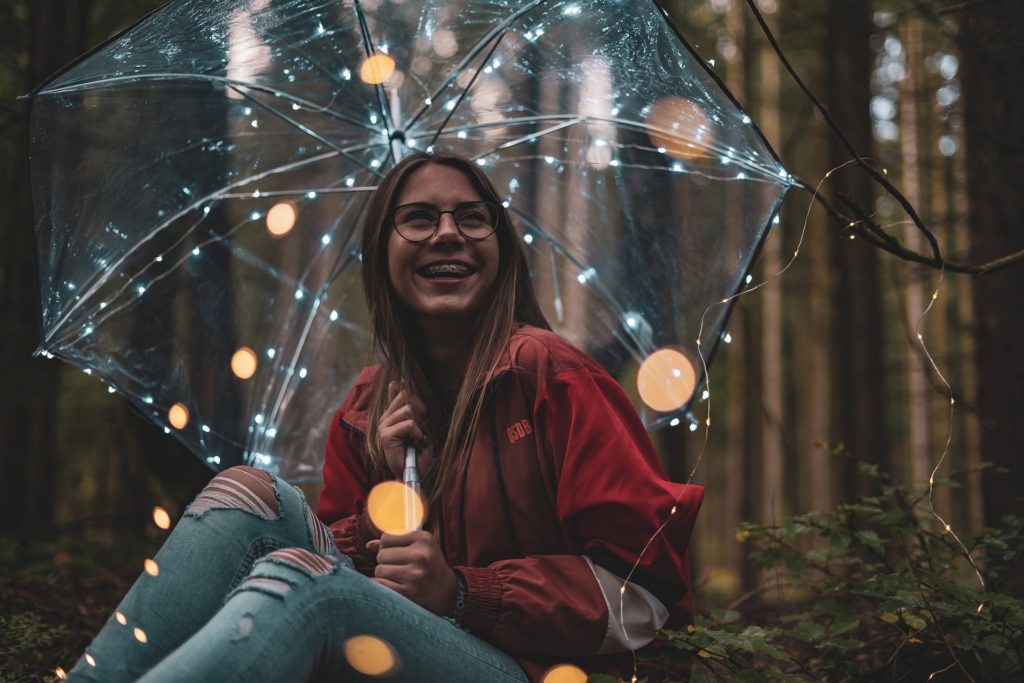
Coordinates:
[876,589]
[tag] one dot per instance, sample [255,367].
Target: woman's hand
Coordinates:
[412,565]
[400,424]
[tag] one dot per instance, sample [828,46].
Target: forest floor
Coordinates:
[54,597]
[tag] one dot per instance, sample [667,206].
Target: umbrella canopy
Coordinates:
[200,178]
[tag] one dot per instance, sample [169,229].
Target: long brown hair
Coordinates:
[394,333]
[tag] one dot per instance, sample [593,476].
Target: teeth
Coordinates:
[446,269]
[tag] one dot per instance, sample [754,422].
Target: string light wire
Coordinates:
[707,421]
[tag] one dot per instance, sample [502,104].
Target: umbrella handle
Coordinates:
[411,479]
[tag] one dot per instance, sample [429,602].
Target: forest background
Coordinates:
[826,401]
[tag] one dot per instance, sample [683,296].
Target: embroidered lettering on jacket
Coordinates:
[518,430]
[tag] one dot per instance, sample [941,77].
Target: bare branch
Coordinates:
[862,224]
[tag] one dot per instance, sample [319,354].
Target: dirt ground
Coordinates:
[54,596]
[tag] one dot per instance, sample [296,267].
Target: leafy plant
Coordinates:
[876,589]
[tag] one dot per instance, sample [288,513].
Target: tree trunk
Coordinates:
[28,388]
[772,452]
[968,441]
[736,477]
[911,146]
[993,110]
[857,299]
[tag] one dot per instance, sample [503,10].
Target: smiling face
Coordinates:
[447,278]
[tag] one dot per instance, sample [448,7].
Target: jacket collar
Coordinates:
[356,416]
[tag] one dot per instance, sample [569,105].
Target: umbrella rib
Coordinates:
[291,367]
[333,275]
[212,79]
[462,95]
[300,345]
[107,312]
[504,123]
[385,110]
[499,30]
[533,136]
[770,180]
[750,164]
[311,133]
[307,190]
[109,272]
[561,248]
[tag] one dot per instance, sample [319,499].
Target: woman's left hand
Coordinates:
[412,565]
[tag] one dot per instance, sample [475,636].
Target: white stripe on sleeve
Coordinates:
[633,622]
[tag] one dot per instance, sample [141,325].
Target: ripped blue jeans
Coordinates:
[243,592]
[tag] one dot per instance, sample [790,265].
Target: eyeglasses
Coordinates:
[420,222]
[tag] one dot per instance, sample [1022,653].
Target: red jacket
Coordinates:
[561,470]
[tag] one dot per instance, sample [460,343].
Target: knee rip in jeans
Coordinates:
[309,564]
[320,535]
[239,488]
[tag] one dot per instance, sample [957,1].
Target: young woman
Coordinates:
[542,487]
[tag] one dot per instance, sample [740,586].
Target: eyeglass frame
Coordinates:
[495,210]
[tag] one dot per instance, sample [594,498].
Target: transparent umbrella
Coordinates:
[199,181]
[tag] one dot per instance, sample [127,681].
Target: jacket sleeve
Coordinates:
[342,503]
[613,499]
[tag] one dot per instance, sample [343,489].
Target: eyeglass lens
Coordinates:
[418,222]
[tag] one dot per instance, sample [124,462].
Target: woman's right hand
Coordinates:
[400,424]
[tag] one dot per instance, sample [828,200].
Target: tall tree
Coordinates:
[912,151]
[857,352]
[772,384]
[962,311]
[57,31]
[992,52]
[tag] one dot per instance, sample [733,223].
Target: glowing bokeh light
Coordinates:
[60,674]
[161,518]
[151,567]
[177,415]
[376,69]
[243,363]
[281,219]
[121,619]
[89,659]
[565,673]
[140,635]
[386,506]
[666,380]
[680,127]
[370,655]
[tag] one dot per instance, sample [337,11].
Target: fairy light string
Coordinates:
[707,417]
[946,526]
